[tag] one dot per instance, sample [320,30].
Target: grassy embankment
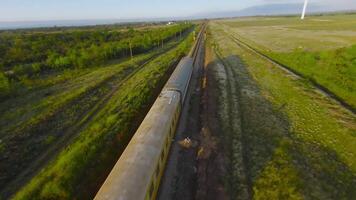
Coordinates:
[36,126]
[321,48]
[53,108]
[95,150]
[299,144]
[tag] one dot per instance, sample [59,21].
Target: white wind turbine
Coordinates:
[304,8]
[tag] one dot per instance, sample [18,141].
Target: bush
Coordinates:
[4,85]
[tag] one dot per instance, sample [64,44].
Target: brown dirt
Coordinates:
[211,160]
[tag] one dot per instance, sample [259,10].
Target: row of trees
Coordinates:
[36,53]
[137,42]
[22,48]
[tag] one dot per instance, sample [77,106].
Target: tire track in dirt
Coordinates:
[240,183]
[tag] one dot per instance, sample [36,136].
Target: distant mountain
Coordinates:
[268,9]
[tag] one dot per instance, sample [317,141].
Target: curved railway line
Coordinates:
[318,86]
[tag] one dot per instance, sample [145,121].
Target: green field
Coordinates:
[293,141]
[322,48]
[62,129]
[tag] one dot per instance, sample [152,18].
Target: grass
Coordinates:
[39,104]
[321,48]
[50,93]
[39,123]
[21,114]
[88,156]
[334,70]
[311,156]
[285,34]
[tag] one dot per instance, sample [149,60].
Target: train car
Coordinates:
[138,172]
[179,81]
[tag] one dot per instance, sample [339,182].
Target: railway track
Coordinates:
[138,172]
[179,179]
[318,86]
[197,46]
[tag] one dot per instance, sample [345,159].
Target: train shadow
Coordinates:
[277,163]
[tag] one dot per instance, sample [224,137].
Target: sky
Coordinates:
[38,10]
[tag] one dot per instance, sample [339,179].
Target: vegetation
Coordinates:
[334,70]
[297,143]
[97,146]
[321,48]
[43,112]
[59,111]
[36,54]
[4,85]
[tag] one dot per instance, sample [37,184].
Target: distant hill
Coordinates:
[268,9]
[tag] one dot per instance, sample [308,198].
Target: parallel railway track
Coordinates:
[318,86]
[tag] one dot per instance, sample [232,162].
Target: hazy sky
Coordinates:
[29,10]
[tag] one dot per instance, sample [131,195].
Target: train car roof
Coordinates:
[131,176]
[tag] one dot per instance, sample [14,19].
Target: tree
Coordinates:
[4,85]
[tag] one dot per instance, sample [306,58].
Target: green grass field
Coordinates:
[298,144]
[322,48]
[84,161]
[51,120]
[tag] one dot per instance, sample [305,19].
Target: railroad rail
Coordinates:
[318,86]
[195,50]
[138,172]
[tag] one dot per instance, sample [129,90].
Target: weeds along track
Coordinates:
[233,126]
[318,86]
[76,116]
